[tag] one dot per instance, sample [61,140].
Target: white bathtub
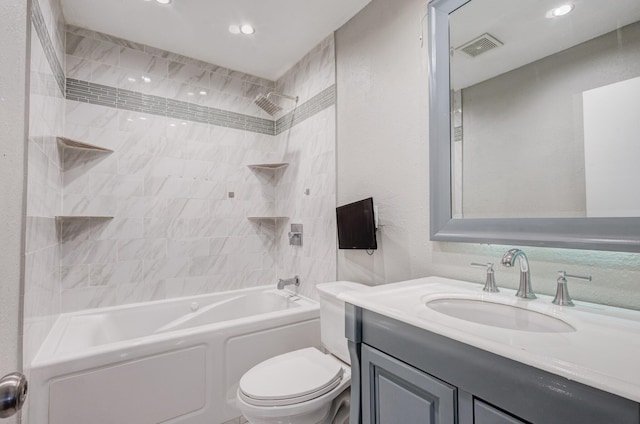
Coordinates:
[174,361]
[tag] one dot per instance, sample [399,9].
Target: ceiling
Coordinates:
[285,29]
[527,34]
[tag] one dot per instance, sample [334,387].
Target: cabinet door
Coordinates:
[487,414]
[394,392]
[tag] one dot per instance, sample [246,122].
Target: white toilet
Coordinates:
[305,386]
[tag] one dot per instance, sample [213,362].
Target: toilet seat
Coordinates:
[277,381]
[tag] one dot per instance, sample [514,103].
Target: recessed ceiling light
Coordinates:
[163,1]
[131,79]
[247,29]
[234,29]
[145,79]
[203,93]
[560,10]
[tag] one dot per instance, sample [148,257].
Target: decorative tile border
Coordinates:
[45,39]
[87,92]
[317,103]
[103,95]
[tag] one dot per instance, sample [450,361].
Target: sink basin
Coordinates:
[500,315]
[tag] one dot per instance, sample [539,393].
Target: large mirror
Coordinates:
[535,122]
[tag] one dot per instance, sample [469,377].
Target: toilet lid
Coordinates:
[291,378]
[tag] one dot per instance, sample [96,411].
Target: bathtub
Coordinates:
[173,361]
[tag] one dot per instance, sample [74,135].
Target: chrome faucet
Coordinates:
[289,281]
[524,291]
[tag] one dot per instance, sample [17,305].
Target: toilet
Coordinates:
[306,386]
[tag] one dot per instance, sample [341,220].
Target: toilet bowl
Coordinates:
[306,386]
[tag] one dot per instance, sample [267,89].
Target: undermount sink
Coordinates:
[499,315]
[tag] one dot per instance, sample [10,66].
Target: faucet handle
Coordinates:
[490,283]
[562,297]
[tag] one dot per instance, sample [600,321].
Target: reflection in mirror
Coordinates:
[545,109]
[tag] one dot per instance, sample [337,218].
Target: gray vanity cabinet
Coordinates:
[401,374]
[391,389]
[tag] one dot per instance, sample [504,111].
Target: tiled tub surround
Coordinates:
[44,181]
[176,229]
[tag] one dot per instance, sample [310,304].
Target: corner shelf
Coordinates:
[79,145]
[267,218]
[268,166]
[65,217]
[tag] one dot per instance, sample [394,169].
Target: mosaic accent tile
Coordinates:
[86,92]
[103,95]
[50,52]
[317,103]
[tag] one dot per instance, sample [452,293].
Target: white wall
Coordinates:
[13,61]
[382,152]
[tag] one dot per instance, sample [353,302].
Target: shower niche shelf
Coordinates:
[267,218]
[268,166]
[68,143]
[65,217]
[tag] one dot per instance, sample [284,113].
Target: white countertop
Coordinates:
[603,352]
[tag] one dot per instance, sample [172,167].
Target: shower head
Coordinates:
[270,107]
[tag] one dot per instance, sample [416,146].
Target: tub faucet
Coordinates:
[524,291]
[289,281]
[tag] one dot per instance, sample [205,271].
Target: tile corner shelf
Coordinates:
[266,218]
[268,166]
[63,217]
[79,145]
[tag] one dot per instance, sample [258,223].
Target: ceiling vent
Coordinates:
[479,45]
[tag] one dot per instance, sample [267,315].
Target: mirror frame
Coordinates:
[613,234]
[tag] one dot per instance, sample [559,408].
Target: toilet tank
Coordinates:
[332,317]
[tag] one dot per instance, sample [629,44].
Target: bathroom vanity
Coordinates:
[435,350]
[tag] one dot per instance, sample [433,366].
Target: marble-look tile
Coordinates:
[159,270]
[88,298]
[189,74]
[188,248]
[105,52]
[78,68]
[188,286]
[143,62]
[74,276]
[142,248]
[123,272]
[175,231]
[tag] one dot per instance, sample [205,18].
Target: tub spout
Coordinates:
[289,281]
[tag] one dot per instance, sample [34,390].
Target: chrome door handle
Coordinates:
[13,393]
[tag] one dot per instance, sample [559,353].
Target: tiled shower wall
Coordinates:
[164,214]
[306,191]
[44,183]
[177,184]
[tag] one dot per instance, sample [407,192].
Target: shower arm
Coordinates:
[273,93]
